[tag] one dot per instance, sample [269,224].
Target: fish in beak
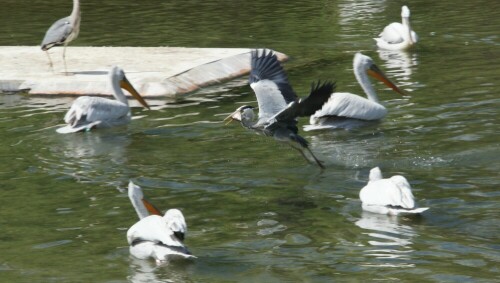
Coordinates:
[235,116]
[125,84]
[375,72]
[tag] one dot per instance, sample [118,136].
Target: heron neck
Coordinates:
[364,82]
[75,13]
[247,123]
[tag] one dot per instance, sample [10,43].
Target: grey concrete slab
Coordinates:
[154,71]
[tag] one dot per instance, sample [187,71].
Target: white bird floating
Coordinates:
[342,106]
[88,112]
[391,196]
[398,36]
[155,236]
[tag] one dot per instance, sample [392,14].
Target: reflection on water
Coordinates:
[93,144]
[389,237]
[353,12]
[399,64]
[146,271]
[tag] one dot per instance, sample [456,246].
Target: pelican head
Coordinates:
[243,114]
[117,77]
[142,206]
[375,174]
[176,222]
[368,66]
[405,12]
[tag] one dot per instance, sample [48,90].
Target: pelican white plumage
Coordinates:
[391,196]
[344,105]
[155,236]
[398,36]
[279,106]
[88,112]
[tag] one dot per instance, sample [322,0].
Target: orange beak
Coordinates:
[375,72]
[125,84]
[151,208]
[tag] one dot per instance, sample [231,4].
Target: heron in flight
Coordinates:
[155,236]
[343,105]
[398,36]
[279,106]
[62,32]
[88,112]
[391,196]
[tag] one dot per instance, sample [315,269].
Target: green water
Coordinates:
[256,211]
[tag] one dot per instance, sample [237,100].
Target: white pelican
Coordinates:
[155,236]
[279,106]
[342,105]
[62,32]
[398,36]
[88,112]
[391,196]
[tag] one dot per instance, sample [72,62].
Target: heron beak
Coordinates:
[235,116]
[375,72]
[151,208]
[125,84]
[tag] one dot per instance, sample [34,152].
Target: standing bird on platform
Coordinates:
[62,32]
[88,112]
[155,236]
[391,196]
[398,36]
[279,106]
[343,105]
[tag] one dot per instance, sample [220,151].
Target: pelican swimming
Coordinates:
[398,36]
[155,236]
[88,112]
[391,196]
[62,32]
[279,106]
[344,105]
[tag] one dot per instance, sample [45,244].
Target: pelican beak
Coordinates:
[125,84]
[235,116]
[375,72]
[151,208]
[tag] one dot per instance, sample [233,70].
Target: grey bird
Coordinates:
[62,32]
[279,106]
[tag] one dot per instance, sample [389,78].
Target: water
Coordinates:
[256,211]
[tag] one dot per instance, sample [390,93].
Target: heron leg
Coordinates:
[303,151]
[50,61]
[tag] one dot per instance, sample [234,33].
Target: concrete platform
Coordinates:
[154,71]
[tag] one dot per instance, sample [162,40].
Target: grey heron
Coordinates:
[88,112]
[62,32]
[278,104]
[343,105]
[398,36]
[391,196]
[155,236]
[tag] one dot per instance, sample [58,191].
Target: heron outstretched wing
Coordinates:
[270,83]
[320,93]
